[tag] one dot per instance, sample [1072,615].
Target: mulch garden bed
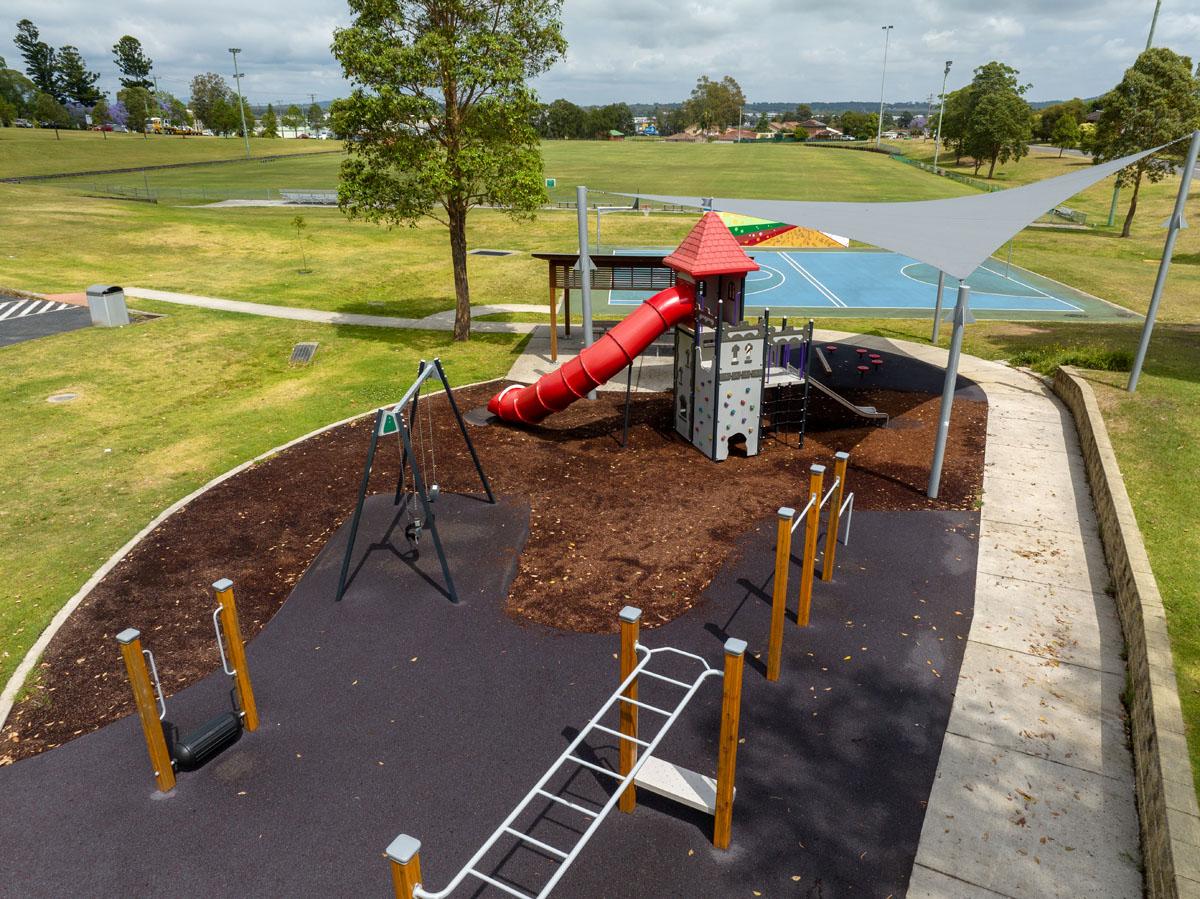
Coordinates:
[654,520]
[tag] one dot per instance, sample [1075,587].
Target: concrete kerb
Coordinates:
[21,673]
[1167,809]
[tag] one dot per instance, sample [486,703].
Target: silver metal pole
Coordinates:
[585,268]
[237,79]
[1112,209]
[1153,24]
[1164,266]
[939,447]
[887,34]
[937,308]
[937,140]
[1008,265]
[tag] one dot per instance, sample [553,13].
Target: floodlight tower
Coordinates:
[937,140]
[887,33]
[237,79]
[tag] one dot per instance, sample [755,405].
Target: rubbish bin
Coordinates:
[107,305]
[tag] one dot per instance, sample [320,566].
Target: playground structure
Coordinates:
[671,781]
[733,379]
[416,467]
[167,753]
[789,520]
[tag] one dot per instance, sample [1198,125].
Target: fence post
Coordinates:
[816,481]
[835,516]
[731,708]
[627,751]
[147,707]
[223,591]
[783,558]
[404,855]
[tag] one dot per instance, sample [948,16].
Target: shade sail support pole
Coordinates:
[585,268]
[937,307]
[956,337]
[1164,265]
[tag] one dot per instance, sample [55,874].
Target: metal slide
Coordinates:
[596,364]
[861,411]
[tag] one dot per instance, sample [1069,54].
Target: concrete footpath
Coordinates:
[438,321]
[1034,793]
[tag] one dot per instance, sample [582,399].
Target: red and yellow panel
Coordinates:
[753,232]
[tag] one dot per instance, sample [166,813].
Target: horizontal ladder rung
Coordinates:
[568,804]
[617,733]
[669,680]
[600,768]
[498,885]
[524,837]
[646,706]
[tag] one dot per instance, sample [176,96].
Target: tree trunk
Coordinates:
[456,211]
[1137,183]
[1060,152]
[992,167]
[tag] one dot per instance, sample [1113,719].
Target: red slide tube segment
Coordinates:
[610,354]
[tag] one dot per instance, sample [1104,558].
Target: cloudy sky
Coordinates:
[647,50]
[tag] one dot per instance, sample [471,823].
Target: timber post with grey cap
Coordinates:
[816,481]
[1173,225]
[783,558]
[627,750]
[130,641]
[223,593]
[939,447]
[731,708]
[404,856]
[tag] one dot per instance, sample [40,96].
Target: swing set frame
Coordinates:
[391,420]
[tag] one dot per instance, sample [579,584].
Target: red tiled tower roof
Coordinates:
[710,249]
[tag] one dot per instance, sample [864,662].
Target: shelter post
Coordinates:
[1173,226]
[939,448]
[585,269]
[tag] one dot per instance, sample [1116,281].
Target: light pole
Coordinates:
[937,140]
[237,78]
[887,34]
[1153,23]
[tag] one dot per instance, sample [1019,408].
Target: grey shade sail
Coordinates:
[954,236]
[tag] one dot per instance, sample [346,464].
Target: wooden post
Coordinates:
[147,707]
[404,855]
[783,559]
[553,316]
[731,708]
[567,305]
[816,482]
[236,650]
[835,516]
[627,751]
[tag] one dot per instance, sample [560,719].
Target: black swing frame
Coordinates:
[394,414]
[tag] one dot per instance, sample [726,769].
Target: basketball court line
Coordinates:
[1031,287]
[821,288]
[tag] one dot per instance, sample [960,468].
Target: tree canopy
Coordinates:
[999,123]
[75,81]
[715,104]
[270,122]
[41,64]
[1065,134]
[440,115]
[139,106]
[1157,101]
[133,63]
[293,118]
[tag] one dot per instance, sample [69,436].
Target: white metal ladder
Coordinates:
[565,858]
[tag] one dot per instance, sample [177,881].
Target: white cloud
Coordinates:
[642,50]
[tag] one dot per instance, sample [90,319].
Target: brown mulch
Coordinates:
[652,522]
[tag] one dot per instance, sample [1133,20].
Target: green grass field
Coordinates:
[36,151]
[56,527]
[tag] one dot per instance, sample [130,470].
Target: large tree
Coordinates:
[211,101]
[563,120]
[293,118]
[40,59]
[1065,133]
[133,63]
[76,82]
[50,113]
[951,120]
[139,106]
[859,125]
[715,104]
[1157,101]
[440,116]
[315,116]
[17,90]
[999,123]
[270,122]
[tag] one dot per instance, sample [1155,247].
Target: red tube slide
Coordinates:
[610,354]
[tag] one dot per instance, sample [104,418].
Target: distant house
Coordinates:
[825,134]
[785,127]
[813,127]
[614,134]
[685,138]
[740,135]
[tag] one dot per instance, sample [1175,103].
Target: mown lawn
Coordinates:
[163,407]
[37,151]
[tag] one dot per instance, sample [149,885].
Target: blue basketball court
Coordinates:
[879,283]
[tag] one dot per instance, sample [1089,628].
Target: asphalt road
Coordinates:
[22,320]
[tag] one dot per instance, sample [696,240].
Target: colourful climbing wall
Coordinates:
[754,232]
